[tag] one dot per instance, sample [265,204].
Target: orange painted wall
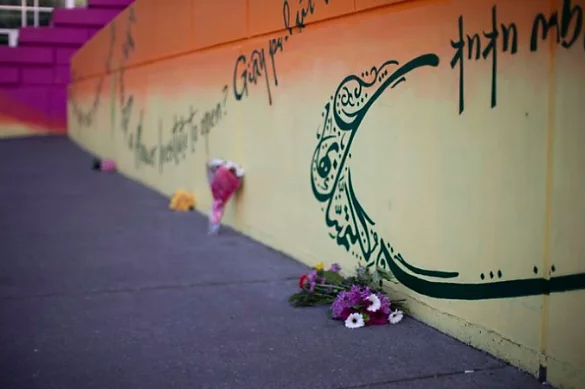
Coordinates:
[468,161]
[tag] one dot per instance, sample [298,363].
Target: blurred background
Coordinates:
[28,13]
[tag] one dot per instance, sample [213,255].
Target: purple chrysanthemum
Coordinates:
[384,303]
[356,300]
[359,293]
[346,300]
[340,304]
[312,276]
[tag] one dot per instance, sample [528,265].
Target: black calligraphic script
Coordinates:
[571,16]
[305,10]
[564,28]
[248,70]
[142,153]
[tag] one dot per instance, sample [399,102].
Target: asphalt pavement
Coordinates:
[101,286]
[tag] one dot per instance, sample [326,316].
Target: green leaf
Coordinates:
[333,278]
[309,299]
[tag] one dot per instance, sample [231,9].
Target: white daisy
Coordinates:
[375,303]
[395,317]
[355,320]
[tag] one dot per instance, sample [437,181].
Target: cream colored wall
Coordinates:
[564,336]
[480,204]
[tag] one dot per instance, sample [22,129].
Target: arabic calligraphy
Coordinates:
[352,228]
[331,179]
[349,224]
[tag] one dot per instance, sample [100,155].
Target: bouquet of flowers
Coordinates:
[358,300]
[318,287]
[225,178]
[360,307]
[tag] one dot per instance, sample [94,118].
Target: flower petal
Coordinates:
[395,317]
[355,320]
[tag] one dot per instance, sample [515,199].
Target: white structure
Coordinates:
[17,13]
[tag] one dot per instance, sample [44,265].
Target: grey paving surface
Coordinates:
[102,287]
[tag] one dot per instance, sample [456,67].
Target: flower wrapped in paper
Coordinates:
[225,178]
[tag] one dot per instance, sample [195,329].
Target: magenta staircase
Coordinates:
[34,75]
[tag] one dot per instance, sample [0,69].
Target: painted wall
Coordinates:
[439,139]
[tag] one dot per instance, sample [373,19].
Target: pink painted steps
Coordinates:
[34,75]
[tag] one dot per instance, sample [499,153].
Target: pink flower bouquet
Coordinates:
[225,178]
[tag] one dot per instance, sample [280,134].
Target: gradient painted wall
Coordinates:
[440,139]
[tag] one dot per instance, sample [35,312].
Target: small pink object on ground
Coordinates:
[108,165]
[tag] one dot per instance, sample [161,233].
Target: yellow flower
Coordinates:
[319,266]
